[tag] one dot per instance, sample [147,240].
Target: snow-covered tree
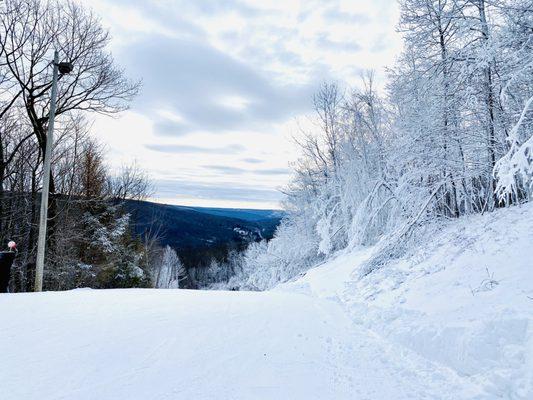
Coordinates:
[452,135]
[514,171]
[171,271]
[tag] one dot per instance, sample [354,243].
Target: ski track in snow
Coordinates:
[179,344]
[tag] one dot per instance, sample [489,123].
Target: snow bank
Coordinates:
[462,298]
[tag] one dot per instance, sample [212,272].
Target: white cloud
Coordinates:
[224,73]
[234,102]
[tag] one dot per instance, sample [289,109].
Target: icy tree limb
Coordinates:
[517,163]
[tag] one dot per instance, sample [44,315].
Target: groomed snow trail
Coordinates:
[180,344]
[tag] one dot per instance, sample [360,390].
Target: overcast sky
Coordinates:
[227,83]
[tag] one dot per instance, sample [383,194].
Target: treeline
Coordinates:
[451,136]
[90,240]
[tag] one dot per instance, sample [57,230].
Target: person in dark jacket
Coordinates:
[6,260]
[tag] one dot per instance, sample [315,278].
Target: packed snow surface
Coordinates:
[450,320]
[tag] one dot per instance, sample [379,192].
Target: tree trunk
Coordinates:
[490,104]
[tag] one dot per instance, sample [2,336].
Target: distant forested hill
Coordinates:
[239,213]
[199,234]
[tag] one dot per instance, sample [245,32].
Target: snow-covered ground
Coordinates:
[433,325]
[463,298]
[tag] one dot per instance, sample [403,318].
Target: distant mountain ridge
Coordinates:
[199,234]
[246,214]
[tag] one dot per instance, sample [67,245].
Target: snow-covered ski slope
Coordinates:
[432,325]
[462,298]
